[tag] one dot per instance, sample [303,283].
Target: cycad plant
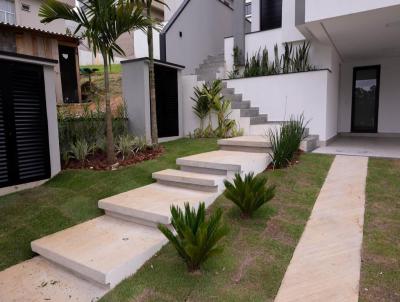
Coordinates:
[195,237]
[249,193]
[102,22]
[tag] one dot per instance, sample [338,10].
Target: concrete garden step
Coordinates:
[260,119]
[189,180]
[106,250]
[255,144]
[309,143]
[250,112]
[233,97]
[228,91]
[240,105]
[150,205]
[224,162]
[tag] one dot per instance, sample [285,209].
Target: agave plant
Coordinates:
[194,237]
[286,141]
[80,150]
[249,194]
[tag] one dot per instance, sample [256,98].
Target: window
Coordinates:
[270,14]
[7,11]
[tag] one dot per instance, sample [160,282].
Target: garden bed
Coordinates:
[98,160]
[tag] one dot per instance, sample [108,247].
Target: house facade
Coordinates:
[354,53]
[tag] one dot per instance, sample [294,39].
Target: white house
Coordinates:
[355,52]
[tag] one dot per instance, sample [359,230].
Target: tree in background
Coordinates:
[102,22]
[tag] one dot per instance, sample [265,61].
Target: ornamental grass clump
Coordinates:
[250,193]
[285,142]
[195,237]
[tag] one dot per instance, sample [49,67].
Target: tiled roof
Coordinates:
[42,31]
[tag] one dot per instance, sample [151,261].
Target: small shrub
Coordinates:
[80,150]
[285,142]
[250,193]
[196,237]
[125,145]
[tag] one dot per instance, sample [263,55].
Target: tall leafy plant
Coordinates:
[102,22]
[194,236]
[285,142]
[201,106]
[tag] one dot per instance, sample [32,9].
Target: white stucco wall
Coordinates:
[30,18]
[141,48]
[281,96]
[319,10]
[170,9]
[203,24]
[389,96]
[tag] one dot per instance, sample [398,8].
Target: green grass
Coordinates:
[115,68]
[71,198]
[380,271]
[257,252]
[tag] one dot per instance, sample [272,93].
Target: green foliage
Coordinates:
[285,142]
[89,127]
[250,193]
[292,60]
[195,238]
[80,150]
[128,144]
[208,100]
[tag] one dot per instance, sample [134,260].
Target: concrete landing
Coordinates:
[152,203]
[41,280]
[250,143]
[225,162]
[105,249]
[326,263]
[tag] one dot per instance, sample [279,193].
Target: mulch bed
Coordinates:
[98,160]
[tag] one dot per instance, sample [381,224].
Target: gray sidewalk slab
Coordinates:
[326,263]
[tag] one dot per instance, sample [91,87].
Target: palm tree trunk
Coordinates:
[153,102]
[109,133]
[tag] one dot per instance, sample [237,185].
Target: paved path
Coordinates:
[326,263]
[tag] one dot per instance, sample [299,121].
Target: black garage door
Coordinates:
[167,101]
[24,146]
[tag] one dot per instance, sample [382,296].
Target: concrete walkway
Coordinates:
[326,263]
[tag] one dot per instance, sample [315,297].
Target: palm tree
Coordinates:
[153,101]
[102,22]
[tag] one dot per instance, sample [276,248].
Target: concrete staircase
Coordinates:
[112,247]
[247,117]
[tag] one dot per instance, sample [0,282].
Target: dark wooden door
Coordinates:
[24,146]
[69,81]
[167,101]
[364,115]
[270,14]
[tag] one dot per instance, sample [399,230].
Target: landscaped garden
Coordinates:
[71,198]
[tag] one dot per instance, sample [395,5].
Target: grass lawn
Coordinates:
[115,68]
[380,271]
[71,198]
[257,252]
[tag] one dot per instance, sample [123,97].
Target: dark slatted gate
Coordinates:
[270,14]
[24,146]
[167,101]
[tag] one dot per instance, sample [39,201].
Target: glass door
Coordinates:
[365,99]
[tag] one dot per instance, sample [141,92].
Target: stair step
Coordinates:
[225,91]
[250,112]
[255,144]
[189,180]
[260,119]
[240,105]
[223,162]
[309,143]
[233,97]
[150,205]
[105,250]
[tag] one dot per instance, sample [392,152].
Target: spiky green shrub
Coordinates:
[250,193]
[195,237]
[80,150]
[201,107]
[125,145]
[285,142]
